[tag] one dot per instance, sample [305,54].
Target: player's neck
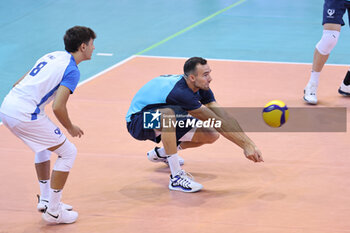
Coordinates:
[77,57]
[191,86]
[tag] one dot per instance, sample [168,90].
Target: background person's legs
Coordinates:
[344,88]
[323,49]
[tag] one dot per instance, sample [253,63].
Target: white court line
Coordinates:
[231,60]
[100,73]
[104,54]
[106,70]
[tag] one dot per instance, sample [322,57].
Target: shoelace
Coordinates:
[187,174]
[312,90]
[184,179]
[184,182]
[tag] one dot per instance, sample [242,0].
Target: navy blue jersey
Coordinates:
[168,89]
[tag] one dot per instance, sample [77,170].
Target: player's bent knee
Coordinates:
[168,112]
[167,115]
[42,156]
[216,136]
[328,41]
[66,156]
[213,137]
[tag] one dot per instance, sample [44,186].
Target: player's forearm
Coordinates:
[61,114]
[231,130]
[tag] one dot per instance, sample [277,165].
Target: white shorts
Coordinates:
[39,135]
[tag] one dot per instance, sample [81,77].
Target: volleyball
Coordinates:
[275,113]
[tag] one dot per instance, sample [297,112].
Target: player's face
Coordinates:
[89,48]
[203,78]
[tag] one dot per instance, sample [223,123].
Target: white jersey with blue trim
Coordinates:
[27,100]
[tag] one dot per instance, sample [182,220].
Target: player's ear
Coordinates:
[83,47]
[192,77]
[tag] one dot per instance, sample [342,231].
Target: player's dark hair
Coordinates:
[190,65]
[77,35]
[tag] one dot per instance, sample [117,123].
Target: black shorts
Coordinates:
[334,10]
[136,126]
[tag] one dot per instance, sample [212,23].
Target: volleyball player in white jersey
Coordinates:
[53,77]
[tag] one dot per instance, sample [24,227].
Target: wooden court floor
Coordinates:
[303,186]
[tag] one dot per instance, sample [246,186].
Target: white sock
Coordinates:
[161,152]
[55,199]
[44,189]
[174,164]
[314,78]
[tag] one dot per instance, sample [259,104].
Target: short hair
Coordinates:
[190,65]
[77,35]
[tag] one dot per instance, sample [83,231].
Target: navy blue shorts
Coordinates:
[137,130]
[334,10]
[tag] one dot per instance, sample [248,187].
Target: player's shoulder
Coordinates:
[59,61]
[63,58]
[182,91]
[166,82]
[57,55]
[168,78]
[57,58]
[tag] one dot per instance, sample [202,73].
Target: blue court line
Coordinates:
[190,27]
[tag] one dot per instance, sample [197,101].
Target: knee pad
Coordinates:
[42,156]
[66,156]
[328,41]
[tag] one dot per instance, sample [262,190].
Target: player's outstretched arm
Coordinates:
[230,129]
[59,108]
